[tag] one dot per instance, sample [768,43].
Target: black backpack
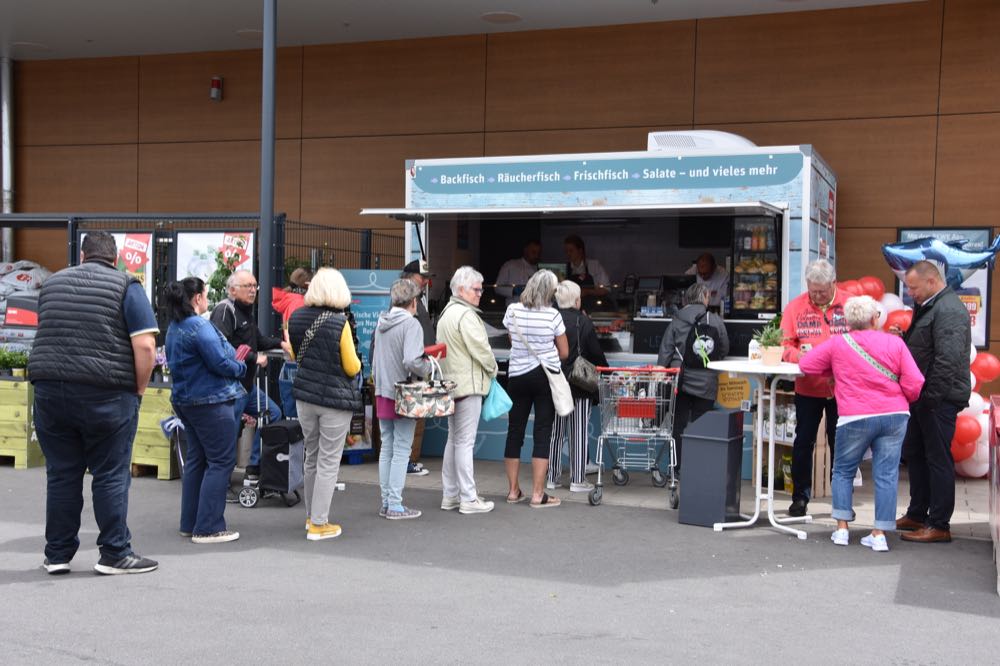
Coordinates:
[703,343]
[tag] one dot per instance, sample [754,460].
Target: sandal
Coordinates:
[546,502]
[517,500]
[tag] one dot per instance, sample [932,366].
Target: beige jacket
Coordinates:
[470,362]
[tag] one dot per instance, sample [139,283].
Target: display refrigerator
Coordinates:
[755,276]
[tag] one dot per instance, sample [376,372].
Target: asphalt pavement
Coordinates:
[571,584]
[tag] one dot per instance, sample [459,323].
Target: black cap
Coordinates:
[418,267]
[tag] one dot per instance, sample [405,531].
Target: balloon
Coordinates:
[962,450]
[972,353]
[892,302]
[986,366]
[982,451]
[852,287]
[971,469]
[900,318]
[967,429]
[975,381]
[882,314]
[977,404]
[873,286]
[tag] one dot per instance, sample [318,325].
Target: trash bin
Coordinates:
[713,456]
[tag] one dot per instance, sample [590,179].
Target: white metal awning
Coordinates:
[751,208]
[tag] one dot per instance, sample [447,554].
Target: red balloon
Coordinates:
[853,287]
[967,429]
[900,318]
[962,450]
[986,367]
[873,286]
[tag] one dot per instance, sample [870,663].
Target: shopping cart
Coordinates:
[637,426]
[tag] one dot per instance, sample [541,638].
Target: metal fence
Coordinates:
[314,245]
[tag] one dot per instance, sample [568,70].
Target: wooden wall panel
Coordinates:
[43,246]
[852,63]
[174,104]
[342,176]
[612,76]
[884,167]
[75,102]
[217,177]
[569,141]
[859,253]
[398,87]
[970,57]
[967,166]
[75,179]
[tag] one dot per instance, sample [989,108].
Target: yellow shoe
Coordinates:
[308,524]
[320,532]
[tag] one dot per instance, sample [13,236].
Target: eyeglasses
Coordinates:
[478,290]
[248,286]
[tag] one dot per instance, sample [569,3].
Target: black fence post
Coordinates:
[366,248]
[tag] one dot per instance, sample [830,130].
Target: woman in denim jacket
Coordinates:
[206,383]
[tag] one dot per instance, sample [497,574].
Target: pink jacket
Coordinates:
[860,388]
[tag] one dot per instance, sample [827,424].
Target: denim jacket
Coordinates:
[202,364]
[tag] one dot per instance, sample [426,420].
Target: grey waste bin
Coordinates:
[713,456]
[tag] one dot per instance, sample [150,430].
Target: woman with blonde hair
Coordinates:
[326,393]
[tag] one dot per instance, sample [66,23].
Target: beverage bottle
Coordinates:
[747,239]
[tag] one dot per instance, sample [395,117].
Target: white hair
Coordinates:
[234,276]
[567,294]
[821,271]
[540,289]
[465,276]
[860,311]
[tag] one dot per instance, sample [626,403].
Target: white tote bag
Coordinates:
[562,395]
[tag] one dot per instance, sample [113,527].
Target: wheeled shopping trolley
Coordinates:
[637,426]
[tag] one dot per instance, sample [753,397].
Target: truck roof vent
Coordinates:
[692,141]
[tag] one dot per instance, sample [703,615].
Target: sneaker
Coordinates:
[416,469]
[130,564]
[308,524]
[477,506]
[184,534]
[324,531]
[591,468]
[55,569]
[798,508]
[551,485]
[450,503]
[217,537]
[402,514]
[876,542]
[252,472]
[584,487]
[840,537]
[383,511]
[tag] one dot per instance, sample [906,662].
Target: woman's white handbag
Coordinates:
[562,395]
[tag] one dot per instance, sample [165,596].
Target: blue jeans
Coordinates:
[83,427]
[397,440]
[211,455]
[248,405]
[884,434]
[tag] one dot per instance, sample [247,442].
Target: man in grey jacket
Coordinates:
[698,383]
[940,338]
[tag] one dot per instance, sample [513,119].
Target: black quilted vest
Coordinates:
[81,335]
[320,379]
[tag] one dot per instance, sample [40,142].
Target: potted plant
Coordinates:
[18,361]
[769,338]
[5,361]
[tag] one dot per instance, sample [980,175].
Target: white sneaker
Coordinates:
[840,537]
[591,468]
[218,537]
[450,503]
[478,506]
[876,542]
[551,486]
[584,487]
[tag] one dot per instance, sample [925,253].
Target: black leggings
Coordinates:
[531,389]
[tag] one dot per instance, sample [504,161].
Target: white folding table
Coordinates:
[761,373]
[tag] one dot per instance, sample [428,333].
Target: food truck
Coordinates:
[762,212]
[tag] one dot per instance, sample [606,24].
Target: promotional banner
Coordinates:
[369,299]
[196,251]
[975,290]
[135,257]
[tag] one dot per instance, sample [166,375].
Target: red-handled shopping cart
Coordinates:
[637,426]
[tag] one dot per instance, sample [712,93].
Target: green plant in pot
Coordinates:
[5,362]
[18,363]
[770,338]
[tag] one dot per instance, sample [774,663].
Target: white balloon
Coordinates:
[973,379]
[971,469]
[972,353]
[882,314]
[982,452]
[891,302]
[977,404]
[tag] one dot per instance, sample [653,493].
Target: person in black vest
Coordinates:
[91,361]
[234,317]
[326,393]
[698,384]
[588,273]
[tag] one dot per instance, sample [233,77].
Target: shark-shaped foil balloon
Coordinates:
[954,262]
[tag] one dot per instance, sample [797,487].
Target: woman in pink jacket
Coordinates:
[875,380]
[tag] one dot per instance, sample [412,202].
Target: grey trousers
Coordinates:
[456,468]
[325,431]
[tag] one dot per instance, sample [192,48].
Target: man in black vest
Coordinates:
[90,364]
[234,317]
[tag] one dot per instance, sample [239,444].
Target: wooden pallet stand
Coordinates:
[151,449]
[18,440]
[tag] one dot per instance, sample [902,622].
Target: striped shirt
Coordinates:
[540,328]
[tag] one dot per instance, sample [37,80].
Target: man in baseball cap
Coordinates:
[419,272]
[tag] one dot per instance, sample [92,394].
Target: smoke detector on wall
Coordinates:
[696,141]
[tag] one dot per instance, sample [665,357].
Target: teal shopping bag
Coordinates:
[497,402]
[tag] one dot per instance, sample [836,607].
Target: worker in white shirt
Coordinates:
[588,273]
[514,274]
[713,276]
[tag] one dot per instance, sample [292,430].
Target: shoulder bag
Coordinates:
[562,395]
[426,399]
[583,374]
[497,402]
[853,344]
